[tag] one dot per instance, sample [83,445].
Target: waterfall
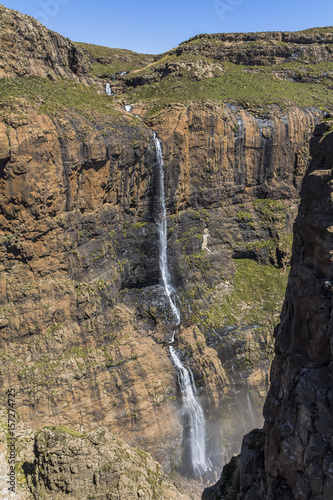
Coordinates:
[191,406]
[162,231]
[195,415]
[108,89]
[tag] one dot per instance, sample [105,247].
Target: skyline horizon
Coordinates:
[142,30]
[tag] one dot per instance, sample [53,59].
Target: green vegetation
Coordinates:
[52,97]
[255,295]
[329,122]
[247,85]
[62,429]
[319,31]
[185,78]
[269,209]
[245,218]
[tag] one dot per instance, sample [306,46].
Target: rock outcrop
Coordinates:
[296,461]
[208,56]
[262,49]
[28,48]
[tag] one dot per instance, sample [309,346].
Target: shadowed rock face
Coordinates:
[297,461]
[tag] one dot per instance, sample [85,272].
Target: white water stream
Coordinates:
[162,231]
[195,417]
[191,406]
[108,89]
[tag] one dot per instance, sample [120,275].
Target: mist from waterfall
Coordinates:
[192,410]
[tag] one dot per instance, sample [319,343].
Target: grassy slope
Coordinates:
[298,82]
[321,30]
[244,85]
[53,97]
[256,87]
[120,59]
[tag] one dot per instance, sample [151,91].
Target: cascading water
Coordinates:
[196,420]
[162,231]
[191,406]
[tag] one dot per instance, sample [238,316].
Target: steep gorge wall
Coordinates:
[298,409]
[223,166]
[292,458]
[225,154]
[82,323]
[78,209]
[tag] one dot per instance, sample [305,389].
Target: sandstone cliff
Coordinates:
[296,460]
[80,262]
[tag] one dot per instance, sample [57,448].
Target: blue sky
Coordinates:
[154,26]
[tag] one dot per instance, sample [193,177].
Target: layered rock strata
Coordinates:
[262,49]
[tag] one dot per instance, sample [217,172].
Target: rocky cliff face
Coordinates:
[57,462]
[80,261]
[28,48]
[84,324]
[267,48]
[298,417]
[296,460]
